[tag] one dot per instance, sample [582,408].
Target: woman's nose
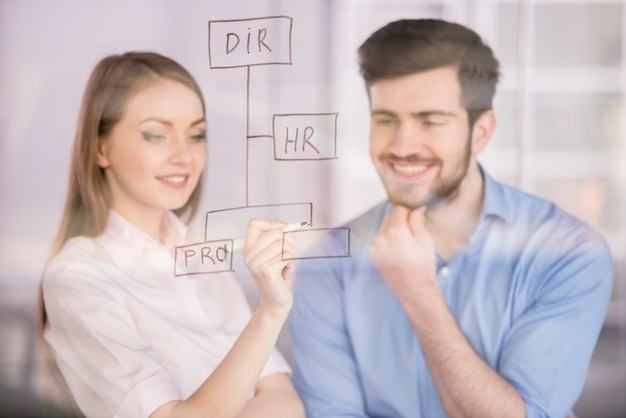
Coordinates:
[181,152]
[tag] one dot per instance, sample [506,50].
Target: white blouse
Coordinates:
[127,334]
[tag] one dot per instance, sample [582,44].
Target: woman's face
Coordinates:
[155,154]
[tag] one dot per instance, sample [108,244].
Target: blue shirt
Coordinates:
[530,291]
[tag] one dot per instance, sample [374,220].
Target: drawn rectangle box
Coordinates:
[305,240]
[203,258]
[249,42]
[232,223]
[305,136]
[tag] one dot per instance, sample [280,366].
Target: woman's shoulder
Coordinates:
[78,255]
[77,248]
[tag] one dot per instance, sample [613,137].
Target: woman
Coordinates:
[130,339]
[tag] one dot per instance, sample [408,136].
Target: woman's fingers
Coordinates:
[267,247]
[258,229]
[268,254]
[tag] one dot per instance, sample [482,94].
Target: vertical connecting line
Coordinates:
[247,130]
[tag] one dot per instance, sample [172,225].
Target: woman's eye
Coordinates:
[152,137]
[199,137]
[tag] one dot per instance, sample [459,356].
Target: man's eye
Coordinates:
[383,121]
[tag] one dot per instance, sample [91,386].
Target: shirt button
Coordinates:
[445,271]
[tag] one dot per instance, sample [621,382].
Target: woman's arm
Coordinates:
[226,391]
[275,397]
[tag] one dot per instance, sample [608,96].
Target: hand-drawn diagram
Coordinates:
[296,137]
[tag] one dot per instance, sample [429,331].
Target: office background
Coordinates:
[561,131]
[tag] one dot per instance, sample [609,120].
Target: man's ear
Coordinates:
[103,161]
[482,131]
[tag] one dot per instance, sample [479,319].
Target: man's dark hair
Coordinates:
[410,46]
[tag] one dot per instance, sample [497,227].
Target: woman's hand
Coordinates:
[226,391]
[267,253]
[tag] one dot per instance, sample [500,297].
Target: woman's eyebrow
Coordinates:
[169,123]
[199,121]
[159,120]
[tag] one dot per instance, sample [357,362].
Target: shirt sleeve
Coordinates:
[105,361]
[548,349]
[325,371]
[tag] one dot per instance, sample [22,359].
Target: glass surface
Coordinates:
[508,31]
[592,200]
[577,34]
[506,135]
[574,122]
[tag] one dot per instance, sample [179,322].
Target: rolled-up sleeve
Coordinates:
[547,351]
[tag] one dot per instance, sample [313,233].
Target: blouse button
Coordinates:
[445,271]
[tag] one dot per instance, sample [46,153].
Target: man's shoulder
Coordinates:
[350,237]
[370,217]
[364,226]
[541,216]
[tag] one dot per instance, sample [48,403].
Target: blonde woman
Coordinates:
[129,339]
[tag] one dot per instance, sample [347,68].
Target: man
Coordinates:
[463,297]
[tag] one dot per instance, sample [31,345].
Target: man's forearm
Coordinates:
[467,386]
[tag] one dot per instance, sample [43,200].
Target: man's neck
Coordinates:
[452,223]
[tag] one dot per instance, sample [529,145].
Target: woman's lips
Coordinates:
[174,180]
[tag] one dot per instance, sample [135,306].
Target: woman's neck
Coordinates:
[149,221]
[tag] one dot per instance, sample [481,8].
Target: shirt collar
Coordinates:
[495,202]
[127,245]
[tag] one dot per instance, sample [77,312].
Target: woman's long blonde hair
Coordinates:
[113,81]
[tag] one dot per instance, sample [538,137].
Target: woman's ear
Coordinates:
[103,160]
[482,131]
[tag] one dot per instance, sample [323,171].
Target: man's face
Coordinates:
[419,137]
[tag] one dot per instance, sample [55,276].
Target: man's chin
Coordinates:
[407,203]
[414,202]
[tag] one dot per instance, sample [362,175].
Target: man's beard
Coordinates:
[444,190]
